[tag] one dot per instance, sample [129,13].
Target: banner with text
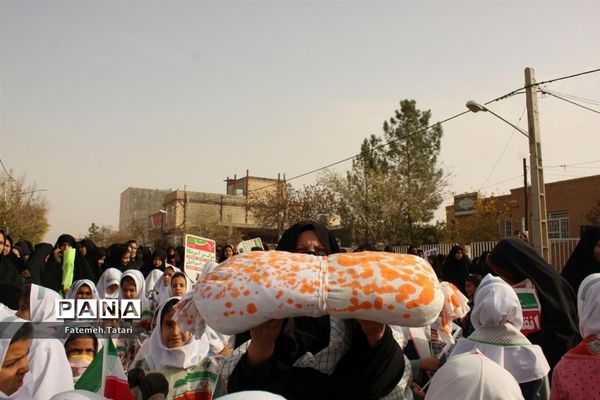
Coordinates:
[247,245]
[198,251]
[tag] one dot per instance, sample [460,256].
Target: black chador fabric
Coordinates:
[52,273]
[362,373]
[289,239]
[149,265]
[582,263]
[37,260]
[8,270]
[557,300]
[456,272]
[114,254]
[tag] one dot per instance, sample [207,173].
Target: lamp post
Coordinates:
[539,224]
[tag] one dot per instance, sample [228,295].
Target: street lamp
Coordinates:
[473,106]
[539,227]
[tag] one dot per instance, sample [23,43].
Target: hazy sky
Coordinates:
[97,96]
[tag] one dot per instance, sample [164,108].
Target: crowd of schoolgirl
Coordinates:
[528,332]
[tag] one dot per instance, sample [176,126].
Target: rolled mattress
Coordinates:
[252,288]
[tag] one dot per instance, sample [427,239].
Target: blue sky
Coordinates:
[97,96]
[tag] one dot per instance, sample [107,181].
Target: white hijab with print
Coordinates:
[497,318]
[588,306]
[109,277]
[78,284]
[157,355]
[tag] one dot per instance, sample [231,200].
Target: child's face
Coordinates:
[470,289]
[167,276]
[178,286]
[112,288]
[172,335]
[129,290]
[15,366]
[84,292]
[80,347]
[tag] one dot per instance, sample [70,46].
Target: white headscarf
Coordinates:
[496,303]
[188,283]
[163,292]
[252,395]
[154,276]
[77,395]
[473,376]
[109,277]
[497,318]
[140,283]
[158,355]
[588,305]
[41,304]
[78,284]
[9,325]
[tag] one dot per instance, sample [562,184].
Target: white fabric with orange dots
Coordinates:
[252,288]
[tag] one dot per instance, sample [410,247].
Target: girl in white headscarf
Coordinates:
[153,277]
[179,356]
[180,285]
[50,369]
[163,286]
[36,303]
[15,342]
[108,284]
[83,289]
[576,374]
[472,376]
[498,319]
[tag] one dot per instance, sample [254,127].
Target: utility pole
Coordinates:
[526,218]
[539,223]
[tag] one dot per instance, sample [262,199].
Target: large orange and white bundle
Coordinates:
[456,305]
[252,288]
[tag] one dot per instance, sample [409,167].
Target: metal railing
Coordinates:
[560,249]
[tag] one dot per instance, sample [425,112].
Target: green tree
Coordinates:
[394,185]
[23,210]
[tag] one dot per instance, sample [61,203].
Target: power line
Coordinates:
[512,133]
[512,93]
[7,173]
[503,181]
[572,164]
[579,98]
[568,101]
[519,90]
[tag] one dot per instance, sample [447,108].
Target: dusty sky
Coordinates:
[97,96]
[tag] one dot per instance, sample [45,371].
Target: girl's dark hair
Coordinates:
[179,274]
[25,295]
[23,333]
[152,384]
[223,252]
[475,279]
[166,308]
[83,336]
[128,279]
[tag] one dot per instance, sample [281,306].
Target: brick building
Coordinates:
[567,204]
[171,213]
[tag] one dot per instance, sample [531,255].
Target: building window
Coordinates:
[505,228]
[558,225]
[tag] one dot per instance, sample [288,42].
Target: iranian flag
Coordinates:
[106,376]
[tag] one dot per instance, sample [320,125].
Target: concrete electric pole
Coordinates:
[539,222]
